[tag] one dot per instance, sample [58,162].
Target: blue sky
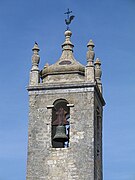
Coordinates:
[111,25]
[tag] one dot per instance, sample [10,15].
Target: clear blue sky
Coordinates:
[111,25]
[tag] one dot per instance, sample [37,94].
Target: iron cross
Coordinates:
[68,12]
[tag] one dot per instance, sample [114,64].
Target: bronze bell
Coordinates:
[60,135]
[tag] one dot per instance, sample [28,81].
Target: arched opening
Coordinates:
[60,124]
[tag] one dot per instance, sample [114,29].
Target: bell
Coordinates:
[60,135]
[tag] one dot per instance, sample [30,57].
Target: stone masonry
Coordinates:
[81,87]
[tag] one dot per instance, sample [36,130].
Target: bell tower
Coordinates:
[65,117]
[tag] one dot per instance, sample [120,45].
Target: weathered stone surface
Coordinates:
[82,160]
[77,161]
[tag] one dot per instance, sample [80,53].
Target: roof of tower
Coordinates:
[66,63]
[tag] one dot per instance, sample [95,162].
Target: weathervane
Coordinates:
[69,18]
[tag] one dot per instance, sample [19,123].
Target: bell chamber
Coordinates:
[60,124]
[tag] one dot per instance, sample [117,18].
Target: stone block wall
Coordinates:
[75,162]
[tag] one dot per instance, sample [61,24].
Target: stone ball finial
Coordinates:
[68,33]
[67,45]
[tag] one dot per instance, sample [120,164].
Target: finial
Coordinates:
[46,65]
[69,18]
[67,45]
[98,73]
[35,57]
[90,43]
[90,53]
[35,48]
[97,62]
[34,73]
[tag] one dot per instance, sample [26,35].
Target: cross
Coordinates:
[68,12]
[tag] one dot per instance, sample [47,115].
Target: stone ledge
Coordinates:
[46,86]
[55,86]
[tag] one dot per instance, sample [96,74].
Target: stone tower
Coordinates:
[65,117]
